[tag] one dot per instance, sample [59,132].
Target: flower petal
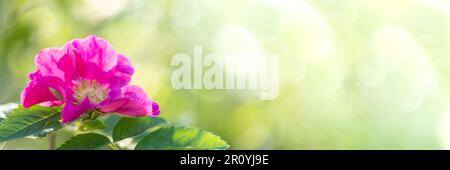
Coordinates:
[64,63]
[121,77]
[73,111]
[37,91]
[155,109]
[96,51]
[134,102]
[122,72]
[100,62]
[52,103]
[47,62]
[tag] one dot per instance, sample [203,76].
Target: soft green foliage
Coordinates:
[129,127]
[52,126]
[39,121]
[35,121]
[181,138]
[92,125]
[86,141]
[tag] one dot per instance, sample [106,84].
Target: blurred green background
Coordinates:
[354,74]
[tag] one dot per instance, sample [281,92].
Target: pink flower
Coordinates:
[86,75]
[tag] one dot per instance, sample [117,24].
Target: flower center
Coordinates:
[91,89]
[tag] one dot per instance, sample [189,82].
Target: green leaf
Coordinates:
[87,141]
[181,138]
[129,127]
[92,125]
[110,121]
[36,120]
[51,126]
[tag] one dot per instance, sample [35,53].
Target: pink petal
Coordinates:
[72,64]
[155,109]
[73,111]
[47,62]
[121,77]
[102,53]
[64,63]
[134,102]
[37,91]
[52,103]
[96,51]
[101,63]
[122,72]
[96,60]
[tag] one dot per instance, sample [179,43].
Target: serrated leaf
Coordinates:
[87,141]
[181,138]
[129,127]
[22,122]
[51,126]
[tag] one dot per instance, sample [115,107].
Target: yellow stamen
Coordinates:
[91,89]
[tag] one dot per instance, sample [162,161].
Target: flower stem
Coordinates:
[113,147]
[2,145]
[51,141]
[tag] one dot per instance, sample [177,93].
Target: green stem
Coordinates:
[51,141]
[113,147]
[2,146]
